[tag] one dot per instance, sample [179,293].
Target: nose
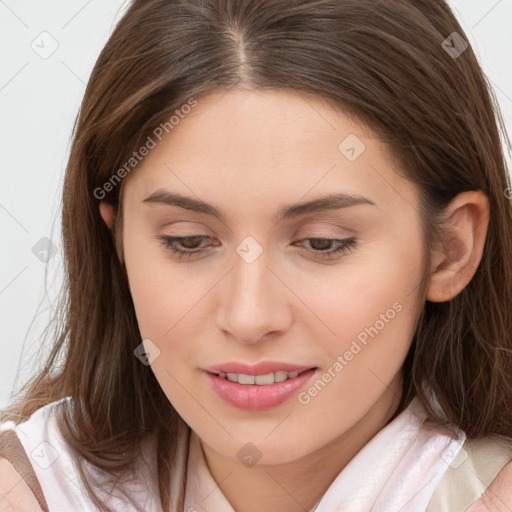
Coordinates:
[255,304]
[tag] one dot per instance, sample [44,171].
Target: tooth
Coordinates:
[280,376]
[245,379]
[264,379]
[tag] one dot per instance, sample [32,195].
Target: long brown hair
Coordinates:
[381,61]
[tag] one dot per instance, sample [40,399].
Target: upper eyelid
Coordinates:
[301,224]
[326,236]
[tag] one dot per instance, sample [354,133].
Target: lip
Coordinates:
[257,369]
[255,397]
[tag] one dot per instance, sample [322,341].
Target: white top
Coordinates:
[397,470]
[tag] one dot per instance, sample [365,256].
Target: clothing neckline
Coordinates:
[407,461]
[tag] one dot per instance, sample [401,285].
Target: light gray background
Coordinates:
[39,97]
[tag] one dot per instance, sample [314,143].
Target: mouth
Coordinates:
[260,380]
[258,392]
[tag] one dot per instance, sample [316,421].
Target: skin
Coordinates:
[15,494]
[249,153]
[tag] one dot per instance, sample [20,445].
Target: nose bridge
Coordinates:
[250,274]
[252,302]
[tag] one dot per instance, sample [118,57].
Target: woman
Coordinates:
[288,235]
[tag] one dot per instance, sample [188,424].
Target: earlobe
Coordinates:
[107,213]
[455,264]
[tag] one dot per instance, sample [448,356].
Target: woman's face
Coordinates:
[264,284]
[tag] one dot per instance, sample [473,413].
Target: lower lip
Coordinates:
[254,397]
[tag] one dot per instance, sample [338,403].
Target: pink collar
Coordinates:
[398,469]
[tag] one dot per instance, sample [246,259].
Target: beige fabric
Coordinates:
[12,449]
[471,472]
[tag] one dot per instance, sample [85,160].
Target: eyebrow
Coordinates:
[324,203]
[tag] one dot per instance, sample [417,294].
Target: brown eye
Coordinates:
[183,245]
[319,246]
[191,245]
[191,242]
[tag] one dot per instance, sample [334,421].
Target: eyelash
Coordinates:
[344,245]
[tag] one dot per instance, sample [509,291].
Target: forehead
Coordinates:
[245,146]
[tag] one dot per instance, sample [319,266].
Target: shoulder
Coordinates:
[478,479]
[498,496]
[15,494]
[22,477]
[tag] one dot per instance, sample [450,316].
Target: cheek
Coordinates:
[368,288]
[167,305]
[370,311]
[161,290]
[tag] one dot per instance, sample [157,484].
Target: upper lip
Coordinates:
[257,369]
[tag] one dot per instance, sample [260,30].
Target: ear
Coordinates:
[456,263]
[107,213]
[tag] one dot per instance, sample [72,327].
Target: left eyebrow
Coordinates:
[324,203]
